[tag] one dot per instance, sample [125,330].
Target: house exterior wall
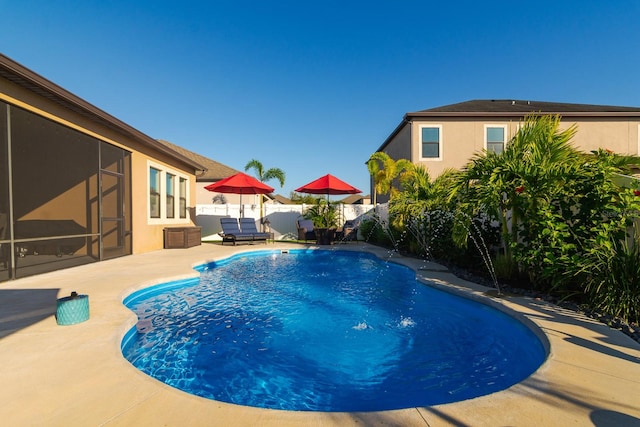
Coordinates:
[147,235]
[401,147]
[617,135]
[461,138]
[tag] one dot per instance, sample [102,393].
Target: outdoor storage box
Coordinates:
[182,237]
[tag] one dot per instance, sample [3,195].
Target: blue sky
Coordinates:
[316,87]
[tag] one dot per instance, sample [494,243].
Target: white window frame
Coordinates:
[170,192]
[164,170]
[440,142]
[506,139]
[159,193]
[180,197]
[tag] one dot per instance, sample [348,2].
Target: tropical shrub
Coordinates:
[608,268]
[611,277]
[505,267]
[546,211]
[324,214]
[373,231]
[589,208]
[424,210]
[385,171]
[507,187]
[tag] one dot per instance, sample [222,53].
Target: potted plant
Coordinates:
[325,216]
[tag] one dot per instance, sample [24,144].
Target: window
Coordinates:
[169,195]
[183,198]
[171,209]
[154,193]
[430,142]
[495,138]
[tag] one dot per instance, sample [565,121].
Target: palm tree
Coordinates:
[420,193]
[533,167]
[265,175]
[385,171]
[420,189]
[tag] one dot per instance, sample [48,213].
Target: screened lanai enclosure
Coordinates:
[65,196]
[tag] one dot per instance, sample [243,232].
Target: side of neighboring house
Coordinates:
[448,136]
[78,185]
[357,199]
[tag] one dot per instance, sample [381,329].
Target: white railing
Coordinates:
[282,218]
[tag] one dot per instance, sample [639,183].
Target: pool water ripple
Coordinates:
[324,331]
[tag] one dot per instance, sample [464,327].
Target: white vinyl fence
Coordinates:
[282,218]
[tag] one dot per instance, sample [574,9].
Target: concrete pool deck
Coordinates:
[75,375]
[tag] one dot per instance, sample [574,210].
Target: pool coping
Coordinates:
[75,375]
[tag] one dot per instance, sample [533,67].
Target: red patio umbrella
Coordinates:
[328,184]
[240,183]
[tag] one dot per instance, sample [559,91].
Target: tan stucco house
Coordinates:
[356,199]
[448,136]
[77,185]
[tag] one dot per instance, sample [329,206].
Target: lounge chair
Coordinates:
[349,231]
[305,230]
[248,226]
[231,231]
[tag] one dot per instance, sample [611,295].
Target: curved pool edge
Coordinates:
[446,414]
[508,377]
[469,290]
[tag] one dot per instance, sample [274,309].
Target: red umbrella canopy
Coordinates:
[328,184]
[240,183]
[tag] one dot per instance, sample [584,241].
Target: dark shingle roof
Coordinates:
[513,109]
[520,106]
[215,170]
[282,200]
[354,198]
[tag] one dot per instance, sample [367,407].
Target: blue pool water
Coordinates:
[324,331]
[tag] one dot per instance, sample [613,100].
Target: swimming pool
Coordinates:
[323,330]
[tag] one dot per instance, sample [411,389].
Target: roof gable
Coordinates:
[282,200]
[215,171]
